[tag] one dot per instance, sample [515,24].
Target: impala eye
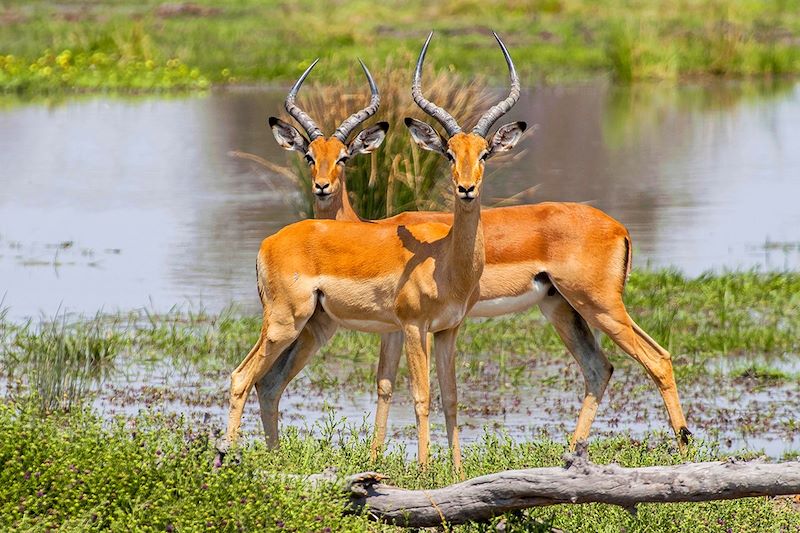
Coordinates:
[342,160]
[450,157]
[483,156]
[309,159]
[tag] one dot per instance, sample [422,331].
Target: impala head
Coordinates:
[467,152]
[327,155]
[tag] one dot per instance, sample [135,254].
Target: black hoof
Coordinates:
[684,435]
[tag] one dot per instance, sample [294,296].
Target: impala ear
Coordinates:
[369,139]
[507,137]
[425,136]
[288,136]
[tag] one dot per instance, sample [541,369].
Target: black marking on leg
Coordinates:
[626,262]
[684,435]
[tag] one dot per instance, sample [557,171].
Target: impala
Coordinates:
[382,278]
[571,260]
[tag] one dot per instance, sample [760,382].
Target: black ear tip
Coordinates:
[384,126]
[408,121]
[273,121]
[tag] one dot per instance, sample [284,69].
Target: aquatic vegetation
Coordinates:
[699,319]
[60,360]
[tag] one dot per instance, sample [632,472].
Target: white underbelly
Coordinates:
[361,323]
[512,304]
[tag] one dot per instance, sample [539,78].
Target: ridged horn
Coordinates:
[299,115]
[497,111]
[444,118]
[344,130]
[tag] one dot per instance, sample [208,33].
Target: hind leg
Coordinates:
[279,330]
[317,331]
[581,343]
[609,315]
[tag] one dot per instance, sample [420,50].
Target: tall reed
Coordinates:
[60,361]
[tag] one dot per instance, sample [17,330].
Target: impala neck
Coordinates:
[467,249]
[338,207]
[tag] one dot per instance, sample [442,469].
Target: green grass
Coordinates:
[76,473]
[124,45]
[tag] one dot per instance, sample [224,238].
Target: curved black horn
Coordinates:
[343,131]
[444,118]
[497,111]
[298,114]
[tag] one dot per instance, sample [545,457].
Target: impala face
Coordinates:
[326,156]
[467,152]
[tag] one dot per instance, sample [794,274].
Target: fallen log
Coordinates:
[578,481]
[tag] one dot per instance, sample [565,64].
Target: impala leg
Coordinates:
[416,340]
[444,346]
[276,335]
[610,316]
[317,331]
[391,350]
[581,343]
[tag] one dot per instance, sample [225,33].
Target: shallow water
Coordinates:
[125,203]
[735,413]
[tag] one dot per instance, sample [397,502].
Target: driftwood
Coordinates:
[578,481]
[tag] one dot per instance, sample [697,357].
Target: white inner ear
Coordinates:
[427,139]
[505,140]
[289,138]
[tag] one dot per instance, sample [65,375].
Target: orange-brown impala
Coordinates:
[382,278]
[571,260]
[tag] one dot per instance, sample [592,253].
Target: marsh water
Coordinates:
[115,204]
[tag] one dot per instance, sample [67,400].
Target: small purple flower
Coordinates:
[26,476]
[170,528]
[40,493]
[279,524]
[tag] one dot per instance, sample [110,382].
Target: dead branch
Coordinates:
[578,481]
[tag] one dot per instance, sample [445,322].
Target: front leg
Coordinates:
[391,350]
[444,346]
[416,340]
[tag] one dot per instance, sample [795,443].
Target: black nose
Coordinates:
[465,190]
[321,189]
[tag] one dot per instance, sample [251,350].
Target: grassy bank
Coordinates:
[46,46]
[76,473]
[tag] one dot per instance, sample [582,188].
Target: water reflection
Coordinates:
[109,203]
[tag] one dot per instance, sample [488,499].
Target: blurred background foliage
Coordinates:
[153,45]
